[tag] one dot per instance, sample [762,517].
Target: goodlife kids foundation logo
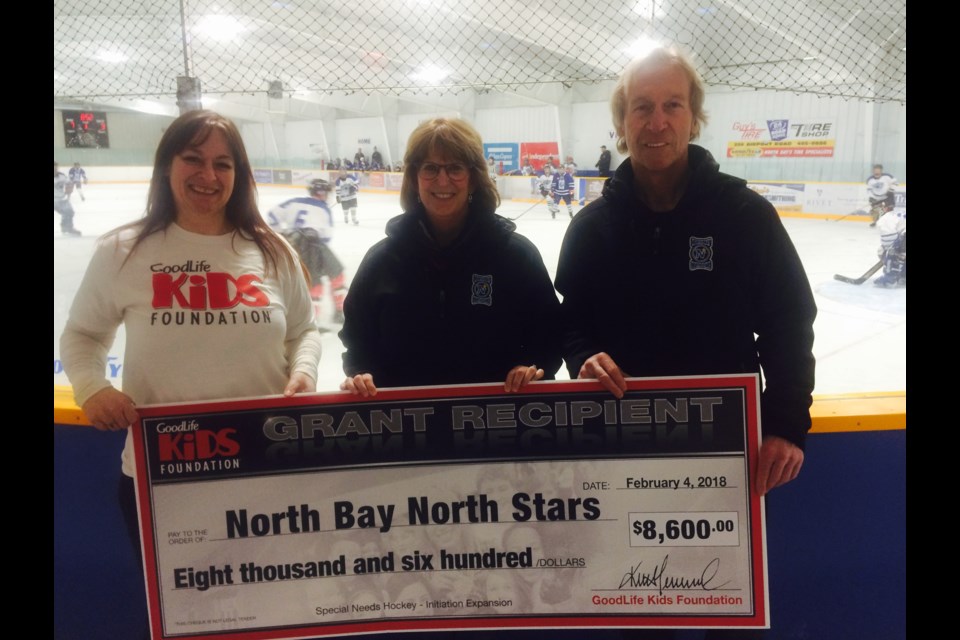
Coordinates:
[192,294]
[185,447]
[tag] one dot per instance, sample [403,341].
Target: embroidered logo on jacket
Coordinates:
[482,292]
[701,253]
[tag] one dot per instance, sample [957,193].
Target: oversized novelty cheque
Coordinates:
[454,507]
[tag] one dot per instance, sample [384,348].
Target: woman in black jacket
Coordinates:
[452,295]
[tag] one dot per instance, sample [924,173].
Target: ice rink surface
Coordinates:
[860,330]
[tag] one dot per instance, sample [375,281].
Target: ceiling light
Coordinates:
[154,107]
[111,56]
[220,27]
[641,46]
[430,74]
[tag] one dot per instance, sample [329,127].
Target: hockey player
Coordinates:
[78,178]
[893,249]
[545,184]
[61,202]
[880,188]
[492,169]
[347,188]
[307,224]
[563,186]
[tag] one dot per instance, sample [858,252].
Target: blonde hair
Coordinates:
[661,56]
[456,139]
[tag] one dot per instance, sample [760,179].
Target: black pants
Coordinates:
[127,494]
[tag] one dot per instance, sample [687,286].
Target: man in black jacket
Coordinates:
[603,164]
[679,269]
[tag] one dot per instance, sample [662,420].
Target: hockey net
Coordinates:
[125,49]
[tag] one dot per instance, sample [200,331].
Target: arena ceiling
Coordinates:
[305,59]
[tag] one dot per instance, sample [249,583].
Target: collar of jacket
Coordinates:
[411,230]
[705,178]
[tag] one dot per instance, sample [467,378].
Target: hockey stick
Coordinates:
[872,270]
[528,210]
[858,212]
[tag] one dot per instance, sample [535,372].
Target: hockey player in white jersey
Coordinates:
[545,184]
[893,249]
[61,202]
[881,187]
[347,188]
[307,223]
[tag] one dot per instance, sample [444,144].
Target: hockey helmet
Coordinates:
[318,187]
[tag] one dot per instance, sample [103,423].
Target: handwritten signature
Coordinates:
[658,578]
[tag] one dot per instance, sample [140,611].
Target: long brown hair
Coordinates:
[192,129]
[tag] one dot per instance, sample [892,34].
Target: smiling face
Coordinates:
[658,121]
[202,178]
[445,200]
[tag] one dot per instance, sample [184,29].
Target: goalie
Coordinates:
[307,224]
[893,249]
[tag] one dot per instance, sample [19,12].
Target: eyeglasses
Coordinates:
[454,170]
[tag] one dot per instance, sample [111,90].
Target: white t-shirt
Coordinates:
[203,320]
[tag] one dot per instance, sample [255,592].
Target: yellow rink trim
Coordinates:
[873,411]
[65,409]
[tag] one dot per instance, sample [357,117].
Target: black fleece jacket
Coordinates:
[417,314]
[713,287]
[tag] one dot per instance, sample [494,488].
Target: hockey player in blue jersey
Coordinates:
[347,188]
[893,249]
[307,223]
[78,178]
[563,187]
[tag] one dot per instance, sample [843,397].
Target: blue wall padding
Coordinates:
[836,541]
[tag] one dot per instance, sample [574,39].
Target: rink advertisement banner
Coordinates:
[591,189]
[538,152]
[784,196]
[833,198]
[504,155]
[282,176]
[782,138]
[456,507]
[393,181]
